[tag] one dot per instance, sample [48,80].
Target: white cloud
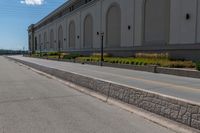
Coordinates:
[32,2]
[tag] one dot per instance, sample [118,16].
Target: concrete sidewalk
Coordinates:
[180,87]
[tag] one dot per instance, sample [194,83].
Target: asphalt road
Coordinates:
[181,87]
[33,103]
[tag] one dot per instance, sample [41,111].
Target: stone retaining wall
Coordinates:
[181,111]
[148,68]
[178,72]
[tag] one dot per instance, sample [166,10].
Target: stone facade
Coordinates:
[129,26]
[185,112]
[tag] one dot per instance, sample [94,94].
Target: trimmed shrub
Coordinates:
[36,54]
[53,53]
[44,54]
[141,63]
[145,64]
[132,62]
[198,66]
[71,56]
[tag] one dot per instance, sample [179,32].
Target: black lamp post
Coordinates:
[102,50]
[59,49]
[23,51]
[40,50]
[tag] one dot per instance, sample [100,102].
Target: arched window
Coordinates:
[113,26]
[52,39]
[72,35]
[88,32]
[156,25]
[60,37]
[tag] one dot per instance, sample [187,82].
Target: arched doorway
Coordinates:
[113,26]
[156,25]
[88,32]
[52,40]
[72,35]
[60,38]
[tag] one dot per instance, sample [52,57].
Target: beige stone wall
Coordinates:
[183,30]
[135,28]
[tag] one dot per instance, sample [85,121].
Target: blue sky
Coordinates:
[17,15]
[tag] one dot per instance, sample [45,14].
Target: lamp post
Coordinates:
[59,49]
[40,50]
[23,51]
[102,50]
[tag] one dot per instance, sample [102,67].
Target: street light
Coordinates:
[102,39]
[59,49]
[40,50]
[23,51]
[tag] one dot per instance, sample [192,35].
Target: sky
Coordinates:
[17,15]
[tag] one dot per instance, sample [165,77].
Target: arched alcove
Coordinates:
[88,32]
[72,34]
[60,37]
[156,21]
[113,26]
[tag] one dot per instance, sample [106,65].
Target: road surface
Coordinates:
[181,87]
[34,103]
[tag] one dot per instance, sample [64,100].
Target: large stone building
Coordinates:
[129,26]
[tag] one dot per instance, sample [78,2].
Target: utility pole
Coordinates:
[102,50]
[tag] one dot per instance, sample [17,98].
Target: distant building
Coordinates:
[129,26]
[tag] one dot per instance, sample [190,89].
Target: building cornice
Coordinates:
[59,12]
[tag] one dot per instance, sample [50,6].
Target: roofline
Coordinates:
[67,3]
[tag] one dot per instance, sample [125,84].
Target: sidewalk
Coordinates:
[181,87]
